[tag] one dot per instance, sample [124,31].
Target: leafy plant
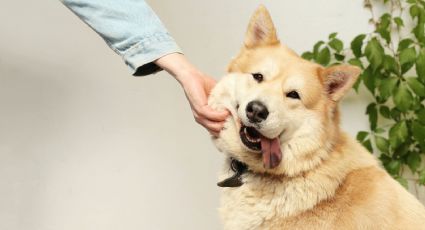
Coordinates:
[392,58]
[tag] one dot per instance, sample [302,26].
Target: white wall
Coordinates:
[84,145]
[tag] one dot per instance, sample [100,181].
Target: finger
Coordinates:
[213,115]
[214,134]
[211,126]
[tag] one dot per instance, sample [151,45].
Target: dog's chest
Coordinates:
[261,203]
[258,203]
[246,209]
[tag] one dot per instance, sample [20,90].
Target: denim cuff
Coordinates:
[139,58]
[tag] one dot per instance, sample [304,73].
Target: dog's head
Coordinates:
[284,108]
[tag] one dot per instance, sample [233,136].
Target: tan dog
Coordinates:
[295,168]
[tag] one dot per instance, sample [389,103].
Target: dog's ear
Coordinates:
[339,79]
[261,30]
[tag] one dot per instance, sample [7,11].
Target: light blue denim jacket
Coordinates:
[130,28]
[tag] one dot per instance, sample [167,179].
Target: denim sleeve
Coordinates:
[130,28]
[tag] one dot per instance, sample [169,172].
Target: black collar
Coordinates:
[236,180]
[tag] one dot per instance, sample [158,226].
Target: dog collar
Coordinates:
[239,169]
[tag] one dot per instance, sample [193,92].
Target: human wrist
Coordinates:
[179,67]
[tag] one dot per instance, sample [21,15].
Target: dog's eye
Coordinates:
[258,77]
[293,94]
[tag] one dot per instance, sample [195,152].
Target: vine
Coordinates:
[392,58]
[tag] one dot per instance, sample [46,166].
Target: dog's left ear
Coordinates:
[261,30]
[339,79]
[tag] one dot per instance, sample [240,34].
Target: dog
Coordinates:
[288,164]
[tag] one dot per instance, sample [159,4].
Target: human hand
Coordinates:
[197,87]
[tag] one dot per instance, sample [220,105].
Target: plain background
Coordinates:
[84,145]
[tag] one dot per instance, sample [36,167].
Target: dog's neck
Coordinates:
[239,168]
[304,191]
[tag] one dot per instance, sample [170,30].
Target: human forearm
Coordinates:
[130,28]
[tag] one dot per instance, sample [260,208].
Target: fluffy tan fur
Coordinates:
[326,180]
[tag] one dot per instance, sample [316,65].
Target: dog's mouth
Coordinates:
[270,148]
[250,137]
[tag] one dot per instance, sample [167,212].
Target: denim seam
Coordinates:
[142,44]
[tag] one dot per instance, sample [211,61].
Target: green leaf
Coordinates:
[386,19]
[416,104]
[357,84]
[395,114]
[361,136]
[416,86]
[390,64]
[398,134]
[368,145]
[407,55]
[385,34]
[379,130]
[421,116]
[402,181]
[373,115]
[307,55]
[385,159]
[420,65]
[332,35]
[369,79]
[403,44]
[374,53]
[356,62]
[387,86]
[356,45]
[413,161]
[398,21]
[422,177]
[407,59]
[402,150]
[383,27]
[382,144]
[324,56]
[419,29]
[393,167]
[402,98]
[339,57]
[414,11]
[379,100]
[418,131]
[316,48]
[385,111]
[336,44]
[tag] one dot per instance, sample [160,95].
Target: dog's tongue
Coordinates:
[271,152]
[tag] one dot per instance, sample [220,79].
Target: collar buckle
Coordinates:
[236,180]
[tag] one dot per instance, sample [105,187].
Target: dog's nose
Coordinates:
[256,112]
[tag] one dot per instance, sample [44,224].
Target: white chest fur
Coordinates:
[262,199]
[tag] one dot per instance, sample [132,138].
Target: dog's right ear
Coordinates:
[339,79]
[261,30]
